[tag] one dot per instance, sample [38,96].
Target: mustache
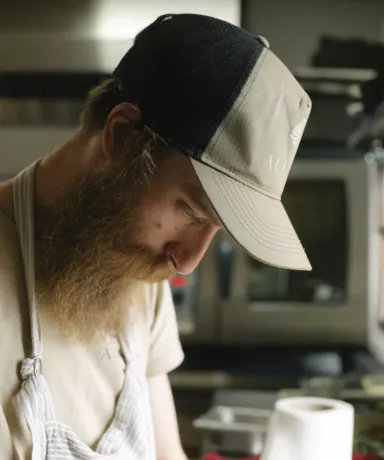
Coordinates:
[140,263]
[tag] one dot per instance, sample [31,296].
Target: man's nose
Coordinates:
[187,254]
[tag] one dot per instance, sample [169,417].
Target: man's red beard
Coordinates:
[88,261]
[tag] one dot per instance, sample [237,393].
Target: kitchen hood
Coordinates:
[87,36]
[52,53]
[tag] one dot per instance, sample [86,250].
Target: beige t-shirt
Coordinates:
[84,380]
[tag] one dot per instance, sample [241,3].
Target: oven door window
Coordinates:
[318,212]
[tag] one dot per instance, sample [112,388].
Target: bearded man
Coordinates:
[196,130]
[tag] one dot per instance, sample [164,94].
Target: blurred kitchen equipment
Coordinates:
[346,84]
[333,91]
[369,131]
[322,387]
[89,36]
[234,428]
[195,302]
[333,204]
[373,385]
[356,54]
[237,422]
[366,397]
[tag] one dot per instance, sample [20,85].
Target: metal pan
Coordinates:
[234,419]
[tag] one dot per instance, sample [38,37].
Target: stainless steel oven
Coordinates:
[333,206]
[195,299]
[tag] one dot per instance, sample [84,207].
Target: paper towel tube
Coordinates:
[310,429]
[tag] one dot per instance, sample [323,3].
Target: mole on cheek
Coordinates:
[158,225]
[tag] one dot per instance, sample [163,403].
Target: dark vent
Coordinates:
[48,85]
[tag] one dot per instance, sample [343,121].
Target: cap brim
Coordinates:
[257,222]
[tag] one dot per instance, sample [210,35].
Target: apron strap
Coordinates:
[23,203]
[381,227]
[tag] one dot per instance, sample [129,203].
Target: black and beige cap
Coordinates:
[221,96]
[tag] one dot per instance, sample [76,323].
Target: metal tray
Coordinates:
[234,419]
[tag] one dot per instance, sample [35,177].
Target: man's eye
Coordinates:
[190,214]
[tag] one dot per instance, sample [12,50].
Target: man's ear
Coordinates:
[120,130]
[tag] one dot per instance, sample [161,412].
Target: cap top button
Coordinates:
[263,40]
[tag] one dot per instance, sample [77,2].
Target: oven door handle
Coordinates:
[226,261]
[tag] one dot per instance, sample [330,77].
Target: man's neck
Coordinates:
[54,173]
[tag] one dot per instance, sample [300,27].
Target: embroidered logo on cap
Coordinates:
[275,165]
[297,132]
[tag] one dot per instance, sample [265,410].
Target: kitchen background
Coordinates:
[251,333]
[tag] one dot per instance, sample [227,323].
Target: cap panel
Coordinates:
[257,142]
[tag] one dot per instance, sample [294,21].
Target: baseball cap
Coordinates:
[222,97]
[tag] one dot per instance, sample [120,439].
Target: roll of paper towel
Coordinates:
[310,429]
